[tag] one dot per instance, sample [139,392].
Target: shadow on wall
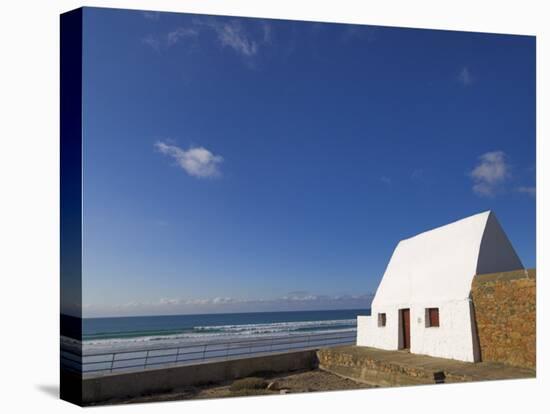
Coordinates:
[475,334]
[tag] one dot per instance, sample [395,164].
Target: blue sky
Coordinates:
[249,164]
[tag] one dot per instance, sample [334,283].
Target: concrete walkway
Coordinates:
[394,368]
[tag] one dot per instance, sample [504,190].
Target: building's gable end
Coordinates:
[496,253]
[435,265]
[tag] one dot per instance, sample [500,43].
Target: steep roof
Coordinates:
[439,265]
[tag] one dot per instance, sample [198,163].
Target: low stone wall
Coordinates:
[398,368]
[123,386]
[371,366]
[505,313]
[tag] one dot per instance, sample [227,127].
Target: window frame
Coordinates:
[382,319]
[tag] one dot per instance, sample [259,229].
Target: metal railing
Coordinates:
[195,353]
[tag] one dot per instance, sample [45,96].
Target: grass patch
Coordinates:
[248,384]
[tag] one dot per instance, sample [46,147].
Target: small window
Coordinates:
[432,317]
[381,319]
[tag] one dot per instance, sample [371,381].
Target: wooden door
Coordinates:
[406,328]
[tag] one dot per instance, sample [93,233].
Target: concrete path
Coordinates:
[391,368]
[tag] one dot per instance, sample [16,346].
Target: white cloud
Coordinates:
[152,42]
[167,301]
[299,296]
[196,161]
[532,191]
[246,41]
[465,76]
[176,35]
[151,15]
[220,300]
[417,174]
[356,31]
[232,34]
[491,171]
[292,301]
[266,28]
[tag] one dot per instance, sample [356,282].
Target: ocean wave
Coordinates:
[220,332]
[276,326]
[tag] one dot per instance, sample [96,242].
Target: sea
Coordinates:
[211,336]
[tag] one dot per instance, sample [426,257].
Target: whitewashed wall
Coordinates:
[454,338]
[362,330]
[379,337]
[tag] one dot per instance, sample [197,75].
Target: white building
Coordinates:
[423,301]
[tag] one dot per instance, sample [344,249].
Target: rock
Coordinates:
[284,391]
[273,386]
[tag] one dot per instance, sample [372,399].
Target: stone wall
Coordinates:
[133,384]
[383,368]
[505,314]
[373,366]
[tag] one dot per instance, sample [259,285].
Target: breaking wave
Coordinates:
[221,332]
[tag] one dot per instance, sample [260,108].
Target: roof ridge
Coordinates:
[487,212]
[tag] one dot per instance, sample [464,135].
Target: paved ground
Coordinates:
[404,362]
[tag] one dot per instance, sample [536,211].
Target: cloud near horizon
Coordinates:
[299,296]
[196,161]
[288,302]
[491,171]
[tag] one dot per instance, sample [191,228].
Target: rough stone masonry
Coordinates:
[505,312]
